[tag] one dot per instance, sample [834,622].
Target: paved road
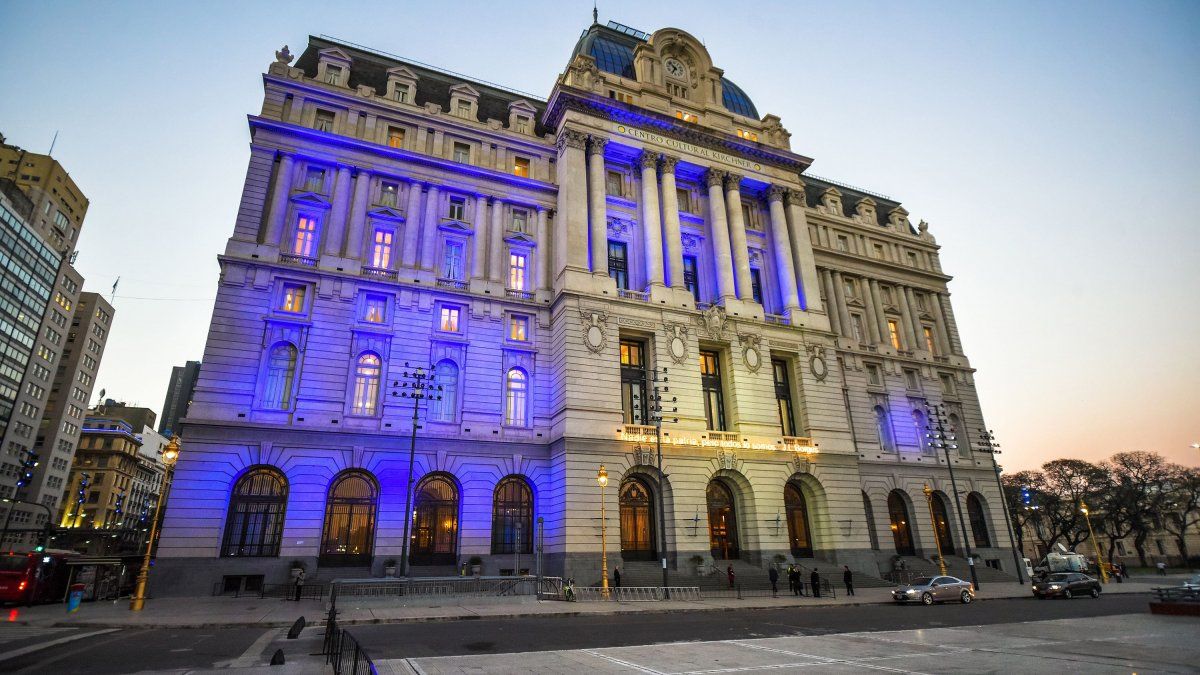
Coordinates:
[449,638]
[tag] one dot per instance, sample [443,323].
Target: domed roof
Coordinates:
[612,46]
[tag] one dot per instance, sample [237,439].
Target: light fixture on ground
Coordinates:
[602,479]
[169,457]
[988,444]
[933,519]
[417,384]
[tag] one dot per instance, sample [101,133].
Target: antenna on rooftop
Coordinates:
[595,13]
[52,142]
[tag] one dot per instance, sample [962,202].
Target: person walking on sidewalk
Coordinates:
[848,579]
[617,577]
[729,573]
[814,580]
[299,584]
[1162,568]
[1124,570]
[794,579]
[773,575]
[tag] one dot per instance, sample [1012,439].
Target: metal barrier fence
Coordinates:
[282,591]
[1177,594]
[739,591]
[635,593]
[342,652]
[446,587]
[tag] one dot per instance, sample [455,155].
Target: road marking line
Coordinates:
[621,662]
[415,668]
[253,653]
[824,660]
[53,643]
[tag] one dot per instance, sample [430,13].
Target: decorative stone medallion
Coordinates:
[751,356]
[727,459]
[713,320]
[677,341]
[816,363]
[594,337]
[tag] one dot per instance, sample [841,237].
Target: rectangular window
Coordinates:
[323,121]
[912,259]
[389,194]
[518,328]
[400,93]
[748,217]
[522,125]
[947,381]
[462,153]
[710,383]
[750,136]
[618,267]
[613,183]
[684,199]
[860,333]
[381,249]
[448,320]
[620,96]
[686,117]
[452,261]
[783,396]
[463,109]
[874,375]
[911,379]
[333,75]
[691,278]
[516,271]
[928,331]
[520,221]
[314,179]
[879,252]
[843,244]
[304,244]
[850,287]
[293,298]
[633,381]
[894,333]
[395,137]
[521,167]
[458,209]
[756,285]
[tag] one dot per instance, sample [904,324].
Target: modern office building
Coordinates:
[556,262]
[179,396]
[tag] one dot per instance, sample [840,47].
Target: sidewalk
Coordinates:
[210,612]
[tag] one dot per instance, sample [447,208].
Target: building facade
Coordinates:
[179,396]
[642,242]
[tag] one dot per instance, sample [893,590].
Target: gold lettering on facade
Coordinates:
[684,146]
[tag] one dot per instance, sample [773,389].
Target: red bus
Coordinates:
[30,578]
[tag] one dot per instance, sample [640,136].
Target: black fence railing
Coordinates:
[281,591]
[756,590]
[1177,594]
[342,652]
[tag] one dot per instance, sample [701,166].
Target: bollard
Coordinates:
[294,632]
[277,658]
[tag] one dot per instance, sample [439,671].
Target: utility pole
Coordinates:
[656,415]
[988,444]
[940,439]
[417,385]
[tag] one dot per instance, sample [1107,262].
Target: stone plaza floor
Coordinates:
[1129,643]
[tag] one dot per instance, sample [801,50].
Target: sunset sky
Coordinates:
[1053,148]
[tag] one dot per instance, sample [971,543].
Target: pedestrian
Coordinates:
[773,575]
[814,580]
[1124,571]
[617,577]
[729,573]
[299,584]
[848,579]
[1162,568]
[794,579]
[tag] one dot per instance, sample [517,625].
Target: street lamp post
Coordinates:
[170,456]
[656,414]
[988,444]
[418,385]
[939,437]
[936,542]
[602,479]
[1095,545]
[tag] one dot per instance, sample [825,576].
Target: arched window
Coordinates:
[281,374]
[975,514]
[722,521]
[435,522]
[919,427]
[348,537]
[512,517]
[901,532]
[797,519]
[254,526]
[867,508]
[516,398]
[941,519]
[884,427]
[637,520]
[366,384]
[445,375]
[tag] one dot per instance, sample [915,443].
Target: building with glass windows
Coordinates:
[641,244]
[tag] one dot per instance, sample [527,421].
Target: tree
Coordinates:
[1023,516]
[1065,484]
[1140,482]
[1182,504]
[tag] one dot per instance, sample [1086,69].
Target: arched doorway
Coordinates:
[942,521]
[512,516]
[722,521]
[901,525]
[799,532]
[348,538]
[435,523]
[975,514]
[637,520]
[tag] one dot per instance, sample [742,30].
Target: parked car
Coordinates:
[1191,587]
[928,590]
[1066,585]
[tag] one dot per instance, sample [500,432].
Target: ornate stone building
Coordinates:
[553,261]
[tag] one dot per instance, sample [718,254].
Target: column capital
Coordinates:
[714,177]
[668,163]
[648,159]
[776,192]
[735,181]
[571,138]
[794,197]
[597,145]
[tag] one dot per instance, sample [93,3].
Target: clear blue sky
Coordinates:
[1053,148]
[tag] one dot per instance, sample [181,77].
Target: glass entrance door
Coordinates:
[435,524]
[722,522]
[637,521]
[348,538]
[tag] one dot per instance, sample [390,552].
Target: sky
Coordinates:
[1054,149]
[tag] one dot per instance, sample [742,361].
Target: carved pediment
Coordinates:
[401,73]
[311,199]
[464,90]
[522,106]
[458,226]
[386,213]
[520,239]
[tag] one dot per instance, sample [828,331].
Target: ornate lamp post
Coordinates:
[656,415]
[1083,508]
[936,542]
[940,439]
[602,479]
[988,444]
[418,385]
[170,456]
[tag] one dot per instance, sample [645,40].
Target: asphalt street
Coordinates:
[452,638]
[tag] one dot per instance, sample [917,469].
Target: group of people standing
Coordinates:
[796,581]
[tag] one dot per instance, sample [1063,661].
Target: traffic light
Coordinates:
[27,466]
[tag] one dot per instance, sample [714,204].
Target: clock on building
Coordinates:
[675,69]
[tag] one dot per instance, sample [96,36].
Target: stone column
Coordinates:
[868,290]
[880,317]
[951,326]
[839,295]
[279,200]
[651,225]
[906,319]
[412,225]
[720,233]
[914,316]
[497,249]
[429,225]
[336,232]
[543,249]
[598,205]
[737,237]
[479,239]
[802,251]
[571,216]
[783,249]
[835,321]
[671,229]
[939,316]
[358,215]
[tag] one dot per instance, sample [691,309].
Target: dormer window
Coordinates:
[463,102]
[463,109]
[522,125]
[323,121]
[333,67]
[333,75]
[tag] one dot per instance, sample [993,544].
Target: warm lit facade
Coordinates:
[547,258]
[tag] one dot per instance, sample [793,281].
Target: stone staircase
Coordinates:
[958,567]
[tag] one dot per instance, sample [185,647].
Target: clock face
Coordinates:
[675,68]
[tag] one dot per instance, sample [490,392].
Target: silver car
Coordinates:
[928,590]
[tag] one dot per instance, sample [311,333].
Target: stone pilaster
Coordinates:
[412,225]
[279,200]
[479,239]
[429,225]
[497,249]
[880,317]
[737,237]
[717,222]
[784,266]
[831,304]
[543,249]
[598,205]
[671,228]
[571,215]
[803,260]
[868,290]
[843,312]
[651,225]
[336,232]
[358,215]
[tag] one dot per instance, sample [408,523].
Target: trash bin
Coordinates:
[74,597]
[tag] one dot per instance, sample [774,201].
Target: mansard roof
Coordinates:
[370,68]
[612,46]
